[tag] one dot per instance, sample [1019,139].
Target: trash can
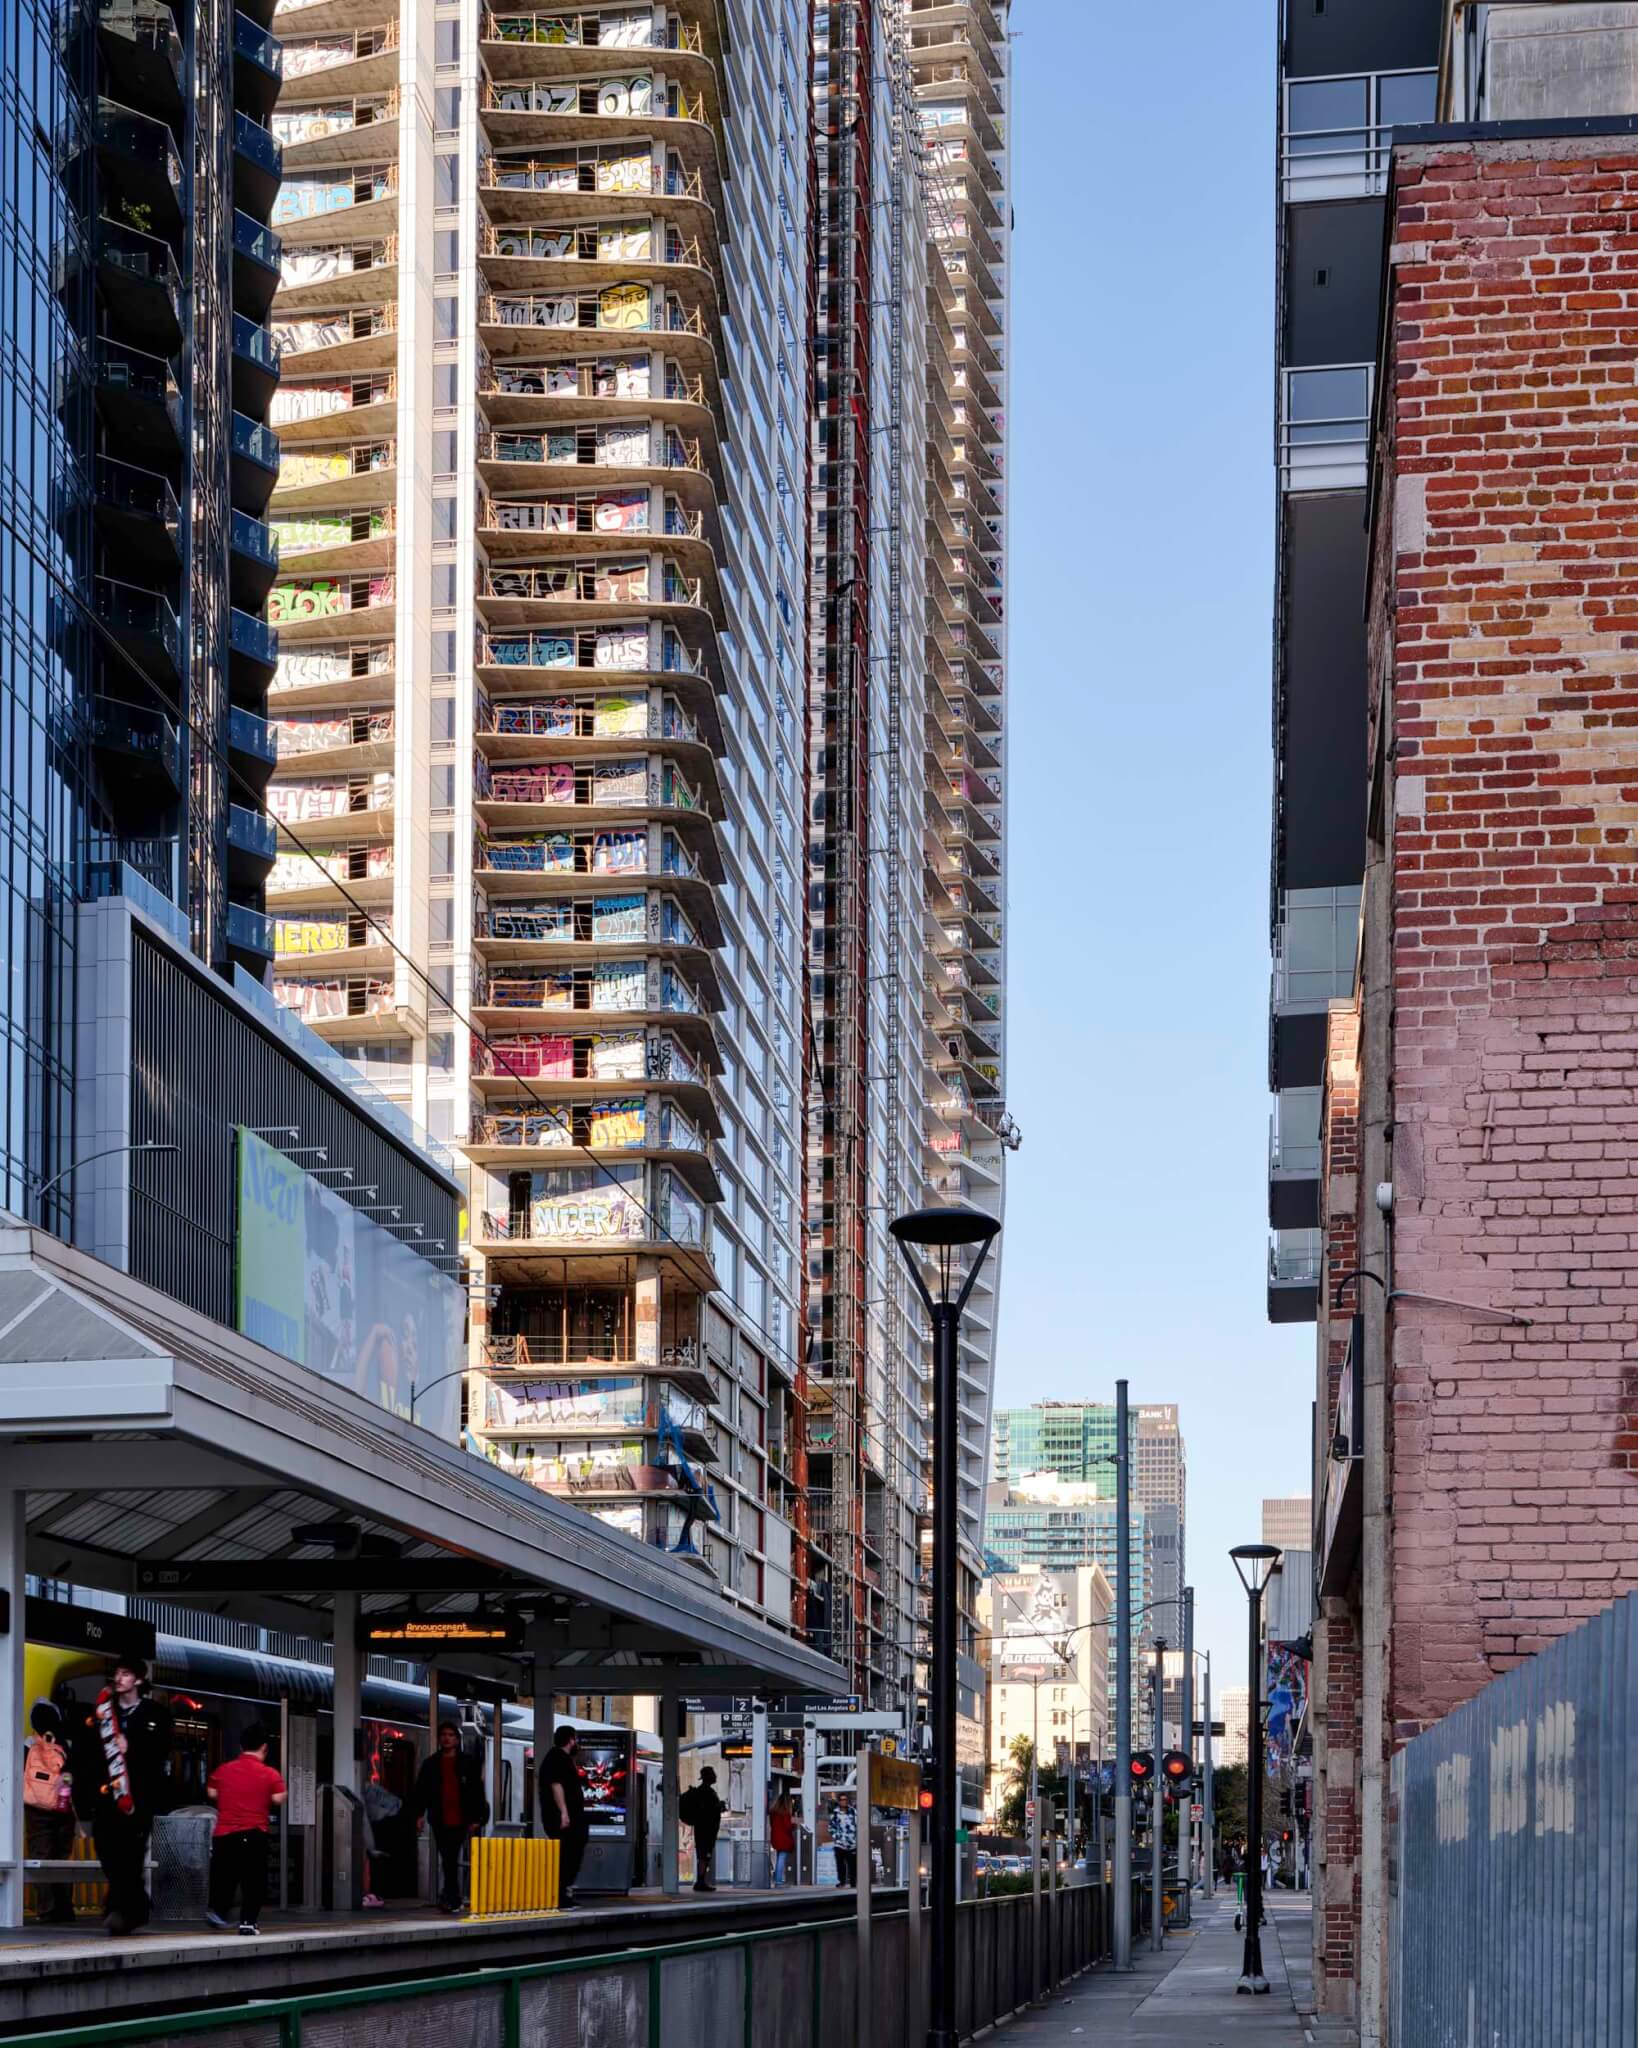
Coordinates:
[180,1848]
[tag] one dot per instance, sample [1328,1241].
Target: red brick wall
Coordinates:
[1505,628]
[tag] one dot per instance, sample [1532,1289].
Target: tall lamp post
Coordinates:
[937,1235]
[1254,1562]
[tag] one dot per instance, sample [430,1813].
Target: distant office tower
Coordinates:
[1074,1440]
[1160,1460]
[1232,1747]
[1044,1523]
[1289,1522]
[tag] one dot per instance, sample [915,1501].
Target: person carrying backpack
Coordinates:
[48,1809]
[702,1810]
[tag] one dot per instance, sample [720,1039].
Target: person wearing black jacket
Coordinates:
[120,1754]
[449,1795]
[702,1807]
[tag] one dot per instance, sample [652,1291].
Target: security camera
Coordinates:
[1384,1196]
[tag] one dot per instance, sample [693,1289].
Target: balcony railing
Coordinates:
[315,59]
[1337,133]
[1325,420]
[257,46]
[129,610]
[141,491]
[252,637]
[250,735]
[119,368]
[584,31]
[140,137]
[141,256]
[255,344]
[587,245]
[257,145]
[259,243]
[256,442]
[1294,1258]
[255,539]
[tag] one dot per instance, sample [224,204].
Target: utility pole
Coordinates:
[1123,1687]
[1157,1810]
[1209,1830]
[1185,1821]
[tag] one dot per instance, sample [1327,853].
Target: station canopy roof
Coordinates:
[166,1456]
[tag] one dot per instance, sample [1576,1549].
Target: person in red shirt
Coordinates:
[244,1794]
[782,1838]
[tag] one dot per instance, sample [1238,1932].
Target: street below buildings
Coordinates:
[1185,1997]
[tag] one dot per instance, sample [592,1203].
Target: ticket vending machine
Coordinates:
[606,1761]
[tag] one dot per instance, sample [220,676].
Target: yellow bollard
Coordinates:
[513,1894]
[480,1877]
[554,1860]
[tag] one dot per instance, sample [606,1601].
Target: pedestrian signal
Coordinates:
[1143,1766]
[1177,1769]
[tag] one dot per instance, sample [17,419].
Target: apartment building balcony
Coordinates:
[141,286]
[334,278]
[137,513]
[586,1215]
[249,936]
[599,531]
[354,477]
[579,729]
[369,408]
[618,790]
[574,592]
[253,652]
[250,744]
[587,256]
[1337,133]
[255,365]
[334,880]
[258,67]
[352,675]
[330,611]
[139,750]
[620,186]
[1294,1159]
[342,1005]
[569,46]
[352,341]
[344,942]
[137,401]
[591,460]
[1315,944]
[340,134]
[355,64]
[606,1118]
[144,624]
[253,560]
[314,209]
[324,544]
[953,114]
[252,842]
[358,810]
[139,165]
[253,464]
[1294,1258]
[352,743]
[257,252]
[648,990]
[142,56]
[571,1069]
[258,165]
[592,400]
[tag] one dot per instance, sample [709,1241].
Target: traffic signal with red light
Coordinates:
[1143,1766]
[1177,1769]
[924,1799]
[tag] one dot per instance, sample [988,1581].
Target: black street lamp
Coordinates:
[1254,1562]
[938,1234]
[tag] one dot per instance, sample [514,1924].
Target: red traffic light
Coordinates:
[1177,1768]
[924,1799]
[1143,1766]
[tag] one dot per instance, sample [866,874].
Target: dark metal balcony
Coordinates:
[138,514]
[253,647]
[257,252]
[255,464]
[143,623]
[141,169]
[141,286]
[1293,1276]
[138,401]
[251,743]
[258,165]
[253,560]
[258,67]
[142,55]
[255,365]
[249,934]
[141,749]
[253,844]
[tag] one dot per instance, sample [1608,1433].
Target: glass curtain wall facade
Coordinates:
[136,265]
[541,698]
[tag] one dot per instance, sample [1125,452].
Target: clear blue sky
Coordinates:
[1141,583]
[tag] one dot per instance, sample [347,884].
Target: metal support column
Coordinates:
[1123,1686]
[671,1719]
[346,1774]
[1185,1820]
[13,1709]
[1157,1812]
[1209,1829]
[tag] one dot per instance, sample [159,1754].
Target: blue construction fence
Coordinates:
[1514,1865]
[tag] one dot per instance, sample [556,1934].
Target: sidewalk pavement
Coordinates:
[1185,1997]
